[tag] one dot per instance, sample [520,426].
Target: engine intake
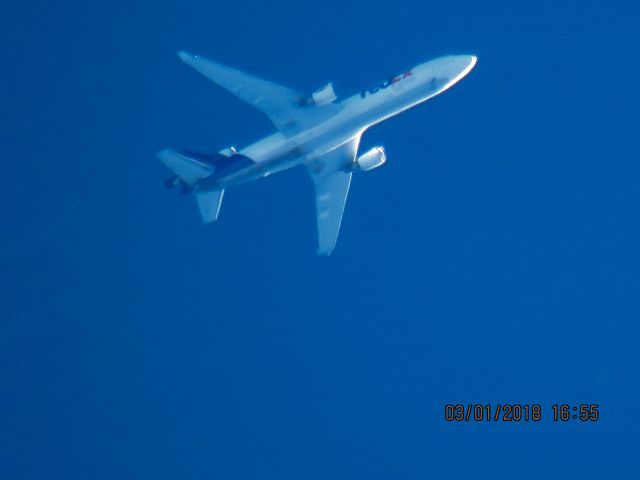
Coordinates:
[371,159]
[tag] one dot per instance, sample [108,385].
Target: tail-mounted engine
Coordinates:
[371,159]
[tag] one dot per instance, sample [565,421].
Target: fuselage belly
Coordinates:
[279,152]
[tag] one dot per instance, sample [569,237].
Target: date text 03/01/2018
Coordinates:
[514,412]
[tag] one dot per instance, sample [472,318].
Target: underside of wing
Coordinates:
[331,175]
[288,109]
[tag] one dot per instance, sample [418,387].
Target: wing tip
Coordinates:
[186,57]
[164,153]
[326,249]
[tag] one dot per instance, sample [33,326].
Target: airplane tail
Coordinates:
[188,169]
[209,203]
[191,171]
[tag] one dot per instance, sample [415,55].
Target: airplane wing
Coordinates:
[331,176]
[285,107]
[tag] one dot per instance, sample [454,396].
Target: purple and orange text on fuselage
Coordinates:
[386,84]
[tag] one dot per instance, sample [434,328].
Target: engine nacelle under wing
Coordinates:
[324,95]
[228,152]
[371,159]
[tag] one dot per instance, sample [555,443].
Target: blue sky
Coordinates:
[494,259]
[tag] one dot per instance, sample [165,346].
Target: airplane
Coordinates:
[317,131]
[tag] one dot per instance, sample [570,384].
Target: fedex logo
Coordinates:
[386,83]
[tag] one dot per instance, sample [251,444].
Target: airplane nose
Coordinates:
[449,70]
[465,63]
[460,65]
[452,66]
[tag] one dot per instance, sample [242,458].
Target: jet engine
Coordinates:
[228,152]
[324,95]
[371,159]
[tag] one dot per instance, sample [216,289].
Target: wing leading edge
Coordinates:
[285,107]
[331,176]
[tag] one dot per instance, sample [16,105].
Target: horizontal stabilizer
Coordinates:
[189,169]
[209,203]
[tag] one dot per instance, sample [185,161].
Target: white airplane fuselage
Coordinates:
[278,152]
